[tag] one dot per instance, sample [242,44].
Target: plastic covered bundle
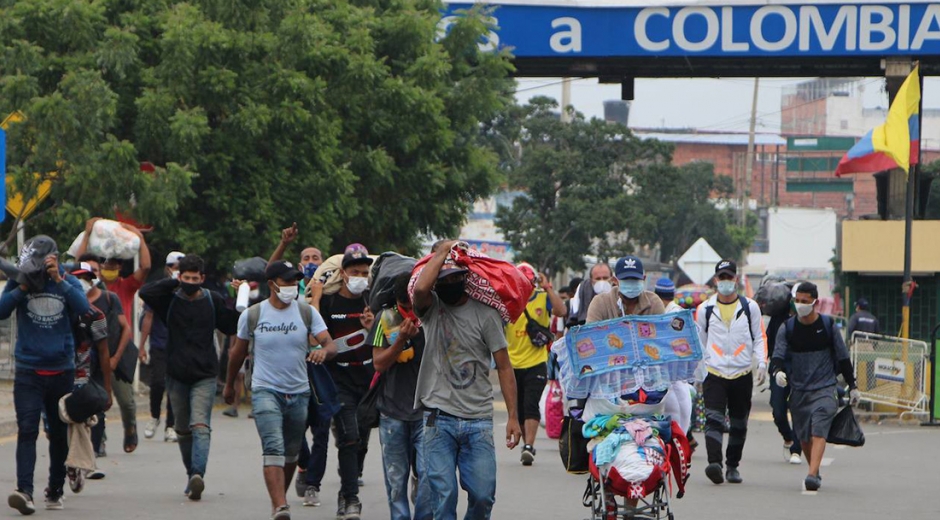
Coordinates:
[109,239]
[493,282]
[251,269]
[773,298]
[386,269]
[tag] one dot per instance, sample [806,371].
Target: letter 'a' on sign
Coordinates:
[568,40]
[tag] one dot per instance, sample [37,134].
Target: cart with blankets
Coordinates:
[619,373]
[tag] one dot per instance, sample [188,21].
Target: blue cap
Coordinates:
[862,303]
[629,267]
[665,287]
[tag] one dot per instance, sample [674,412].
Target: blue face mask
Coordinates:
[631,288]
[310,269]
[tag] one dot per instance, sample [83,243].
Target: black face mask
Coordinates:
[450,293]
[190,289]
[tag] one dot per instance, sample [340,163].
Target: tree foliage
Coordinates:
[593,188]
[350,117]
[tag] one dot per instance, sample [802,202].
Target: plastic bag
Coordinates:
[251,269]
[773,298]
[109,239]
[845,429]
[386,269]
[554,414]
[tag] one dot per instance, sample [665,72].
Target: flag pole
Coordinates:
[907,288]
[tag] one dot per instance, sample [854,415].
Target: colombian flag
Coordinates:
[896,143]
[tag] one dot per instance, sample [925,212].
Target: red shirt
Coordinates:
[126,289]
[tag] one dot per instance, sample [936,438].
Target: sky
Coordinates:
[704,104]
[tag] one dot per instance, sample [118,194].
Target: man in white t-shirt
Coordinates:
[281,331]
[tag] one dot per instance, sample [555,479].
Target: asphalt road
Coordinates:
[895,475]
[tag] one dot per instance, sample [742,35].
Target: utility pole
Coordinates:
[749,159]
[565,99]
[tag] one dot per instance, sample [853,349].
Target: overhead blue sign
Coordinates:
[665,29]
[3,172]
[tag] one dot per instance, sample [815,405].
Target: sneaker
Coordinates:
[281,513]
[54,500]
[76,479]
[528,455]
[151,429]
[169,435]
[733,476]
[195,488]
[300,484]
[101,453]
[96,475]
[812,482]
[230,412]
[360,482]
[796,459]
[713,472]
[353,509]
[22,502]
[341,507]
[786,451]
[251,414]
[312,498]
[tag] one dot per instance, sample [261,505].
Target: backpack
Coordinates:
[254,314]
[745,309]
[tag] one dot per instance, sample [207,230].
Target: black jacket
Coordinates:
[191,354]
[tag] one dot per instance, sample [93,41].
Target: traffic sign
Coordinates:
[699,261]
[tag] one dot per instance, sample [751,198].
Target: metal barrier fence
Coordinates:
[891,371]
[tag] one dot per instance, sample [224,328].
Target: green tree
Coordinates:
[350,117]
[578,180]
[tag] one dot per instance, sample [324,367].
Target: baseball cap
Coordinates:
[862,303]
[449,268]
[82,269]
[629,267]
[282,269]
[356,254]
[665,287]
[726,267]
[174,258]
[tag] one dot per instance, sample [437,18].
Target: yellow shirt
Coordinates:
[522,353]
[727,311]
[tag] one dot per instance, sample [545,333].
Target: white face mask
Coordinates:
[357,284]
[287,294]
[804,309]
[602,287]
[175,275]
[87,286]
[727,287]
[253,294]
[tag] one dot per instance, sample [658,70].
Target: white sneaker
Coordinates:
[151,428]
[170,435]
[796,459]
[786,451]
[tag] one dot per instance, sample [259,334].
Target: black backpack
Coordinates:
[745,309]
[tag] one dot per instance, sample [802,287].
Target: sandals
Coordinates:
[130,441]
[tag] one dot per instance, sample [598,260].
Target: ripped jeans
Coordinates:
[192,405]
[401,441]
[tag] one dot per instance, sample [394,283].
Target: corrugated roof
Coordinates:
[728,139]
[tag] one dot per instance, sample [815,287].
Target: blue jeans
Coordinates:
[452,444]
[779,397]
[401,441]
[281,420]
[313,458]
[31,394]
[192,405]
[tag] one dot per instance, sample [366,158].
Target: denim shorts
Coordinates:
[281,420]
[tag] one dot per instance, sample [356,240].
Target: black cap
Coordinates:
[862,303]
[726,267]
[282,269]
[449,268]
[356,254]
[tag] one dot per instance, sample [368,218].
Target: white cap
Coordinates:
[174,257]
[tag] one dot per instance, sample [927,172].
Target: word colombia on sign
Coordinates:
[710,28]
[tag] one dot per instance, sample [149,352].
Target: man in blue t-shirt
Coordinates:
[281,331]
[44,298]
